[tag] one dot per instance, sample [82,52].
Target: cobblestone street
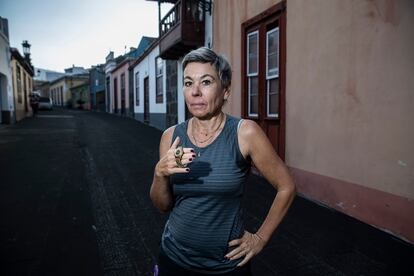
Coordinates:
[74,200]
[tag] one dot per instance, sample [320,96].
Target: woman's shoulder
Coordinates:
[245,124]
[249,133]
[167,135]
[169,131]
[248,129]
[172,131]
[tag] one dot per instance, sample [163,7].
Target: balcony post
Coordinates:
[159,18]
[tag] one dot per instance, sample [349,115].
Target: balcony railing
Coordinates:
[182,29]
[171,19]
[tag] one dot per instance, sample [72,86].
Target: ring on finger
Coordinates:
[179,164]
[178,154]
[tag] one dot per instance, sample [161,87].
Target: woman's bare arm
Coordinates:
[161,193]
[274,170]
[255,144]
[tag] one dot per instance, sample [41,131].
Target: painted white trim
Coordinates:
[136,85]
[271,115]
[146,68]
[271,76]
[268,76]
[247,54]
[255,115]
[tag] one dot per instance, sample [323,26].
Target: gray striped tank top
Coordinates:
[207,210]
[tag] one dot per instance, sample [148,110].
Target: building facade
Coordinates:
[42,75]
[330,82]
[22,72]
[42,79]
[149,105]
[6,86]
[97,87]
[120,89]
[80,95]
[59,89]
[110,64]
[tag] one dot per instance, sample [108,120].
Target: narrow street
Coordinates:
[74,200]
[75,196]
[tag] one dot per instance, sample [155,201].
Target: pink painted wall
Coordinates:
[349,101]
[228,17]
[117,74]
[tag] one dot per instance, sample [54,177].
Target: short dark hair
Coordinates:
[219,62]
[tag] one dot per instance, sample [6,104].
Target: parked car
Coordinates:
[45,103]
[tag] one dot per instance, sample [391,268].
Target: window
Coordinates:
[61,96]
[263,82]
[252,73]
[137,88]
[29,87]
[19,84]
[272,72]
[159,80]
[123,81]
[123,86]
[25,83]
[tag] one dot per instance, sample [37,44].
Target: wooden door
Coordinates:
[115,95]
[263,70]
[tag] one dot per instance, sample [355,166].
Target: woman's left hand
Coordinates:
[248,246]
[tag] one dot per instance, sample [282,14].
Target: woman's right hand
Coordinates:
[168,164]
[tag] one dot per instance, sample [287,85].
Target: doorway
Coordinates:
[115,95]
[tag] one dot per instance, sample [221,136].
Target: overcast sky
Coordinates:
[79,32]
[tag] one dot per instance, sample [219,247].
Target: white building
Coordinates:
[46,75]
[158,74]
[110,64]
[6,90]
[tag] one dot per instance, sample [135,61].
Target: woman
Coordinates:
[200,175]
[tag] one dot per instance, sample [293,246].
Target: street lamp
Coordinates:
[26,50]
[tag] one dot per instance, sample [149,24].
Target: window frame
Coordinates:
[19,83]
[272,17]
[137,98]
[276,75]
[159,87]
[252,75]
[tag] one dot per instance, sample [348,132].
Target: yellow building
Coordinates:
[59,89]
[22,72]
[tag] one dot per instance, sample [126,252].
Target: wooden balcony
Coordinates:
[182,29]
